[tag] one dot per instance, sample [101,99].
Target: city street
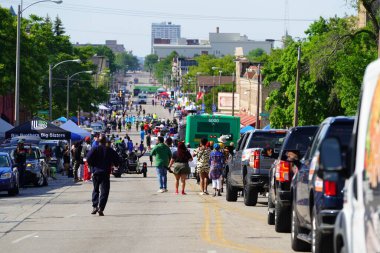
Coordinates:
[137,219]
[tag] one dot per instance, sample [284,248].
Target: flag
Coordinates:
[200,95]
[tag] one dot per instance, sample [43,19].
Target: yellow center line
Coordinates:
[220,239]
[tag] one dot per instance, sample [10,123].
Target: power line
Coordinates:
[154,14]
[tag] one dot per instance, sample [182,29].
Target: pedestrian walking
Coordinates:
[148,141]
[142,135]
[130,146]
[66,161]
[101,159]
[203,167]
[181,168]
[141,148]
[162,155]
[77,160]
[216,167]
[119,125]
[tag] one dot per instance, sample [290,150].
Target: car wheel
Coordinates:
[282,218]
[271,217]
[231,192]
[250,195]
[297,244]
[319,242]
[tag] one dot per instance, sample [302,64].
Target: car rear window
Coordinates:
[342,131]
[300,139]
[265,140]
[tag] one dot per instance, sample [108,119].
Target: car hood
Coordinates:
[5,170]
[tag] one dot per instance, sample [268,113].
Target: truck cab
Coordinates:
[248,169]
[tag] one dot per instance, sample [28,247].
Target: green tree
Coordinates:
[163,68]
[150,61]
[126,61]
[58,27]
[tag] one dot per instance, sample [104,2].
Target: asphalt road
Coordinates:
[57,218]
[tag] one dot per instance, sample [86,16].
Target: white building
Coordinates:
[166,31]
[219,44]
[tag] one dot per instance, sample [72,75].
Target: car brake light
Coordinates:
[254,160]
[283,170]
[329,188]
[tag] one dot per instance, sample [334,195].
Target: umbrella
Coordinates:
[246,128]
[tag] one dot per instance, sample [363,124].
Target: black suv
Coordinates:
[295,145]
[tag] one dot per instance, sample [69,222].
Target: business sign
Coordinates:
[38,124]
[225,101]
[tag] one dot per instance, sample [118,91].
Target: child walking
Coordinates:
[216,168]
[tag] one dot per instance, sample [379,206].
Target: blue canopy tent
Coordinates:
[267,127]
[62,119]
[246,128]
[77,133]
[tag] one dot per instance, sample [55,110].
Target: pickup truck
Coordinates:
[294,147]
[248,169]
[317,197]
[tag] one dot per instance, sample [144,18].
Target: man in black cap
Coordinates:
[101,159]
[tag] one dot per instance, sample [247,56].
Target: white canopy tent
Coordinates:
[102,107]
[4,126]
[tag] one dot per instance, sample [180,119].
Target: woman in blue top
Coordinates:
[216,168]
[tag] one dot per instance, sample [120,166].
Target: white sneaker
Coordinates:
[165,190]
[160,191]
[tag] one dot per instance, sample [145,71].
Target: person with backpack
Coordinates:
[101,159]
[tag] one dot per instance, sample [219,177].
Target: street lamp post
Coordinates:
[51,83]
[20,10]
[233,93]
[68,89]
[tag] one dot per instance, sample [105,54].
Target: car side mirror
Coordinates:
[330,157]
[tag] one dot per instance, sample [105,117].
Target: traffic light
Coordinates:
[120,94]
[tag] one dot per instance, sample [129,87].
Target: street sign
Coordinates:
[213,108]
[203,107]
[264,114]
[43,112]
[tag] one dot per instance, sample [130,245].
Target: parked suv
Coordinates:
[317,197]
[281,172]
[248,168]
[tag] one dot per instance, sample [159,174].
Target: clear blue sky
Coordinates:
[129,21]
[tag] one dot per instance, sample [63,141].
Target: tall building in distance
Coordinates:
[165,33]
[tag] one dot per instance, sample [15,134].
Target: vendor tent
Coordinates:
[246,128]
[4,126]
[61,119]
[75,130]
[102,107]
[41,128]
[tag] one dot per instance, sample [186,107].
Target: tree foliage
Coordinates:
[126,61]
[150,61]
[334,57]
[42,43]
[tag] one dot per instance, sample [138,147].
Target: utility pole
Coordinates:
[258,97]
[295,122]
[233,94]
